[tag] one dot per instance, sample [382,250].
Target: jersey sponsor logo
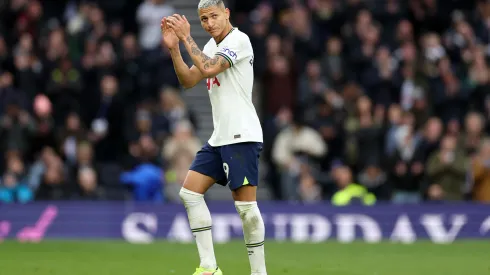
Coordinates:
[211,82]
[230,53]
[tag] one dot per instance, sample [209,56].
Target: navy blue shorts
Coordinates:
[234,165]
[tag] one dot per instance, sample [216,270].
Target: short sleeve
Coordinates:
[235,49]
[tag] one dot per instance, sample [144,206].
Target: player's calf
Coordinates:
[201,224]
[254,234]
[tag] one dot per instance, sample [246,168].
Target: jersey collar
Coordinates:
[232,29]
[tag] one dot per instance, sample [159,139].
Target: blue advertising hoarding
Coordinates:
[145,223]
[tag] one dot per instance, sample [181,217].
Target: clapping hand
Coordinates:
[179,25]
[169,37]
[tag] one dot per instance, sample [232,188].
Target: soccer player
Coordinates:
[231,156]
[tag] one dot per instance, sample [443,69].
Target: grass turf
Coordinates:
[120,258]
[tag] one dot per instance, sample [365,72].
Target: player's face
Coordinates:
[214,19]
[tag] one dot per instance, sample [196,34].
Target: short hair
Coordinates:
[210,3]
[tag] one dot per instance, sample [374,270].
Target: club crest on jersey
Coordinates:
[211,82]
[229,52]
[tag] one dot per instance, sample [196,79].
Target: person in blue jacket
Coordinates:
[12,190]
[147,181]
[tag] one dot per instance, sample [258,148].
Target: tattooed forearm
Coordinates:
[223,63]
[195,49]
[201,60]
[205,57]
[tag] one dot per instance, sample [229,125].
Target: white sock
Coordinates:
[200,223]
[254,234]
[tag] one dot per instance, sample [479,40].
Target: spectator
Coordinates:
[333,64]
[107,121]
[477,78]
[447,171]
[64,88]
[144,123]
[295,147]
[182,141]
[369,137]
[364,135]
[279,81]
[178,153]
[146,178]
[84,170]
[376,181]
[13,187]
[481,173]
[312,84]
[52,181]
[87,184]
[350,192]
[309,189]
[131,60]
[305,37]
[16,129]
[431,136]
[45,125]
[328,122]
[406,166]
[393,124]
[13,190]
[70,136]
[149,15]
[171,110]
[379,78]
[474,133]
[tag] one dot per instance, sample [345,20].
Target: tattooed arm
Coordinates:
[209,67]
[188,77]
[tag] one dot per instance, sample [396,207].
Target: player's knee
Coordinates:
[182,194]
[189,197]
[249,213]
[251,219]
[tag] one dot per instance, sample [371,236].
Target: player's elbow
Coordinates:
[209,74]
[187,85]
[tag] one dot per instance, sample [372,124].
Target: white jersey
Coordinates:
[234,117]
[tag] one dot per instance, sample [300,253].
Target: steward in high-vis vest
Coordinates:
[353,194]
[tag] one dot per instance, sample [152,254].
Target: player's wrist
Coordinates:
[174,48]
[187,39]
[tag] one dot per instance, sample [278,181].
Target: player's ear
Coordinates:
[227,12]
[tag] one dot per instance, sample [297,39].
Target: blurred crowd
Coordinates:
[88,97]
[389,96]
[392,96]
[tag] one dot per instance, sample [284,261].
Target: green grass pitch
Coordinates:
[120,258]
